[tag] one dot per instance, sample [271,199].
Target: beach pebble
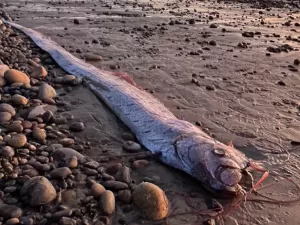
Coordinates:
[108,202]
[97,190]
[67,221]
[7,151]
[15,127]
[92,57]
[17,141]
[39,134]
[59,214]
[40,110]
[68,79]
[5,116]
[72,162]
[151,200]
[12,221]
[60,173]
[4,107]
[38,72]
[26,124]
[115,185]
[139,164]
[2,82]
[125,196]
[63,154]
[131,146]
[19,100]
[47,116]
[10,211]
[26,220]
[124,175]
[77,126]
[16,76]
[39,191]
[113,169]
[66,142]
[3,69]
[46,91]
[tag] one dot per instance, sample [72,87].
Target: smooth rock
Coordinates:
[92,57]
[66,142]
[19,100]
[72,162]
[3,69]
[58,215]
[77,126]
[17,141]
[4,107]
[60,173]
[67,221]
[114,168]
[131,146]
[64,154]
[16,76]
[125,196]
[138,164]
[151,200]
[5,116]
[39,135]
[124,175]
[12,221]
[46,91]
[40,110]
[97,190]
[7,151]
[2,82]
[108,202]
[10,211]
[39,191]
[115,185]
[38,72]
[15,127]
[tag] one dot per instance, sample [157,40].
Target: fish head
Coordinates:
[226,166]
[220,167]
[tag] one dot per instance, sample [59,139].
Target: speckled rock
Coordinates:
[151,200]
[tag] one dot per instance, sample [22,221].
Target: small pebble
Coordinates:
[108,202]
[131,146]
[97,190]
[60,173]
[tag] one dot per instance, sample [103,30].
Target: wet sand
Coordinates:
[210,74]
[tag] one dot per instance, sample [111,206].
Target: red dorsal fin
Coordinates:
[127,78]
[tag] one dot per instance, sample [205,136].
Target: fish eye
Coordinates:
[219,152]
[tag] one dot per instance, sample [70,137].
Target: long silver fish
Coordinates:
[177,143]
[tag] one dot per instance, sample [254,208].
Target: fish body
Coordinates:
[177,143]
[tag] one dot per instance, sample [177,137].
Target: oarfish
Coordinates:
[177,143]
